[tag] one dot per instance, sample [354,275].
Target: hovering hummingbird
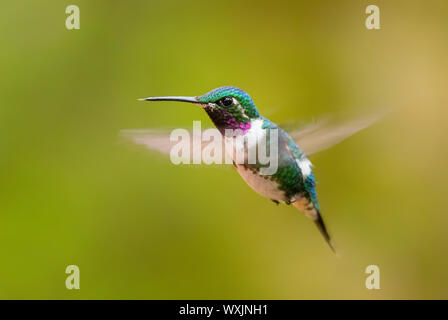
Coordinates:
[294,182]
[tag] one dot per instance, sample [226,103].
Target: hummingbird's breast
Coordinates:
[292,178]
[262,184]
[241,147]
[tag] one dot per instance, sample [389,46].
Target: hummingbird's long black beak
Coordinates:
[180,99]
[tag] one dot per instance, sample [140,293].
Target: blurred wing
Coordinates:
[157,140]
[325,133]
[160,141]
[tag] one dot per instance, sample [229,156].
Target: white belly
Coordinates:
[261,184]
[265,187]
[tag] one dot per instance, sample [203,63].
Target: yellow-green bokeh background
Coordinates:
[140,227]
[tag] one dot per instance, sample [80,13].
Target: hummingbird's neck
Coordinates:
[224,120]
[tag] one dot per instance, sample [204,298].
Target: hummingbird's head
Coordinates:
[228,107]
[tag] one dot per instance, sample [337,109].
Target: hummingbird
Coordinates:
[294,182]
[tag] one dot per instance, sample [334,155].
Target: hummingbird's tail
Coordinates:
[314,214]
[321,226]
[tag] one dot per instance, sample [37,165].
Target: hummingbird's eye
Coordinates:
[226,102]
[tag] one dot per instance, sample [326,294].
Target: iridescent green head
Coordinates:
[228,107]
[232,100]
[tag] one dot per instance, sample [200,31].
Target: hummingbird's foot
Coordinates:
[276,202]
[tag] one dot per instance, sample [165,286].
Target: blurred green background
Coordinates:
[140,227]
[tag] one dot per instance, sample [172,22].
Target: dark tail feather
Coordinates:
[321,225]
[314,214]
